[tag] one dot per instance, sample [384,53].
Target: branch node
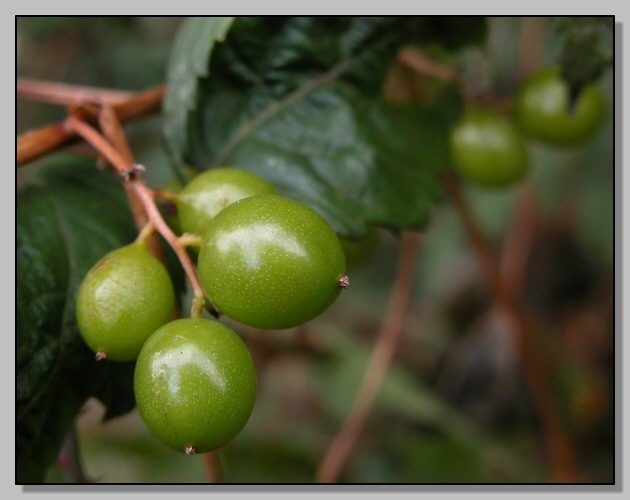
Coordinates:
[132,172]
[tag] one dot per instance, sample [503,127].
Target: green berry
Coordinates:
[541,109]
[271,262]
[122,300]
[195,384]
[487,149]
[210,192]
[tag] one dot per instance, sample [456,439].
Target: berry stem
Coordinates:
[165,195]
[146,196]
[190,240]
[198,304]
[145,234]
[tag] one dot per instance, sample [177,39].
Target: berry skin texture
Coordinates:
[122,300]
[487,149]
[195,384]
[210,192]
[541,109]
[271,262]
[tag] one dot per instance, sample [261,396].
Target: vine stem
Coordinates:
[145,195]
[212,466]
[561,454]
[35,143]
[387,341]
[64,93]
[415,59]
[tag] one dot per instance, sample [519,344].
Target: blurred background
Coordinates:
[455,406]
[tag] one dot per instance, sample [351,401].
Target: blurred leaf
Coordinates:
[298,101]
[68,215]
[281,464]
[411,401]
[411,457]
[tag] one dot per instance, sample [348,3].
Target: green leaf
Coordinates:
[188,62]
[69,214]
[587,48]
[298,101]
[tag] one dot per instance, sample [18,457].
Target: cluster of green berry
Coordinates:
[264,260]
[487,147]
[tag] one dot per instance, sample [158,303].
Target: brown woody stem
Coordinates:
[65,94]
[38,142]
[98,142]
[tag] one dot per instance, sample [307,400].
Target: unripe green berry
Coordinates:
[211,191]
[487,149]
[271,262]
[195,384]
[542,110]
[122,300]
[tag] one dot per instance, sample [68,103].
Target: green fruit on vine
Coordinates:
[541,109]
[210,192]
[487,149]
[271,262]
[195,384]
[122,300]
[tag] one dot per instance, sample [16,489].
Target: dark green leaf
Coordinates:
[298,101]
[587,48]
[69,214]
[188,62]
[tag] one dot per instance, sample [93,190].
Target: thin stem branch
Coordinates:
[35,143]
[415,59]
[518,242]
[115,135]
[561,454]
[112,129]
[144,194]
[387,341]
[531,44]
[190,240]
[65,94]
[98,142]
[166,195]
[212,466]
